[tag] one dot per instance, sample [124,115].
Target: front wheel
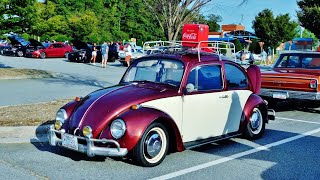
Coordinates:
[256,125]
[66,54]
[19,53]
[42,55]
[153,146]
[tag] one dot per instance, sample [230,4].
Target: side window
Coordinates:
[294,62]
[206,78]
[283,62]
[236,79]
[60,46]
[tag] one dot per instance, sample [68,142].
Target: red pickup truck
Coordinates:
[295,76]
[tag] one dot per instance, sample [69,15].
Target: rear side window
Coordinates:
[236,78]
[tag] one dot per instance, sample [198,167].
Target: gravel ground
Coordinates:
[30,115]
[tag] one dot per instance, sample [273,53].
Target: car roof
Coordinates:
[300,52]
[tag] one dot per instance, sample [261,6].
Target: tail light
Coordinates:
[313,84]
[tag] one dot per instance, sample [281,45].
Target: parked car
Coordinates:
[135,54]
[57,49]
[165,103]
[83,52]
[18,46]
[295,76]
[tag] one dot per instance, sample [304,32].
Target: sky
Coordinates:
[232,13]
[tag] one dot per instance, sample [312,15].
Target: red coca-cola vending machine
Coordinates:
[192,34]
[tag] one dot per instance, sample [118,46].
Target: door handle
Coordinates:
[224,96]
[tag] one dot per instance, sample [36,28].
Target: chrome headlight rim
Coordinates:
[118,128]
[61,115]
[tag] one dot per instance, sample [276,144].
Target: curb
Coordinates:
[23,134]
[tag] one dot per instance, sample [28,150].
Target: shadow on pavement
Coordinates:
[68,80]
[4,66]
[288,159]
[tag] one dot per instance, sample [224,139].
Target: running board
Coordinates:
[194,144]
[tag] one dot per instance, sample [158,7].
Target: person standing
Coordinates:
[104,53]
[269,59]
[127,50]
[94,54]
[263,57]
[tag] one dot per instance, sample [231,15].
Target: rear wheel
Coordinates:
[256,125]
[66,54]
[42,55]
[153,146]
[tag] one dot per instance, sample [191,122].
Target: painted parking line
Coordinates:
[235,156]
[297,120]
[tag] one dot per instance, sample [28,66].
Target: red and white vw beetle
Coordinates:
[165,103]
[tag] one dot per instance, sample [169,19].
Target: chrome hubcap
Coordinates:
[255,120]
[153,144]
[20,53]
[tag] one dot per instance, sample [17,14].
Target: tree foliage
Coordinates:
[309,15]
[16,15]
[99,20]
[272,31]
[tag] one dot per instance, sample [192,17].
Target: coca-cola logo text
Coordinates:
[191,36]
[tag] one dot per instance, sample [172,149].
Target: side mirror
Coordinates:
[189,88]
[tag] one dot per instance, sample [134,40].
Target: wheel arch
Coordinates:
[253,102]
[137,121]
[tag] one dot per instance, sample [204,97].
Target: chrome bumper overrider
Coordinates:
[291,94]
[271,114]
[90,149]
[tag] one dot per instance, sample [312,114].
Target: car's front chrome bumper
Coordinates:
[89,148]
[315,96]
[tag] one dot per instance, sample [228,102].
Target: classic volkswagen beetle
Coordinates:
[164,103]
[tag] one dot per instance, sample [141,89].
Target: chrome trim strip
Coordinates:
[292,94]
[90,149]
[291,77]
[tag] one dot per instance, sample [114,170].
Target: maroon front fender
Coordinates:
[69,107]
[137,121]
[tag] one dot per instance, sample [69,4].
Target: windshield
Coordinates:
[308,61]
[156,70]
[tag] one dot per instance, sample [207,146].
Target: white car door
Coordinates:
[208,111]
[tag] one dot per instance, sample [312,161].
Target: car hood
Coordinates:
[100,107]
[16,40]
[35,43]
[80,44]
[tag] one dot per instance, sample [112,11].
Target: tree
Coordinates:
[211,20]
[172,14]
[272,31]
[238,45]
[16,15]
[309,15]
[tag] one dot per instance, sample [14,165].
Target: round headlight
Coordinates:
[61,115]
[118,128]
[57,125]
[87,131]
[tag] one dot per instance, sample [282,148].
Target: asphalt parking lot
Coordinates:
[288,150]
